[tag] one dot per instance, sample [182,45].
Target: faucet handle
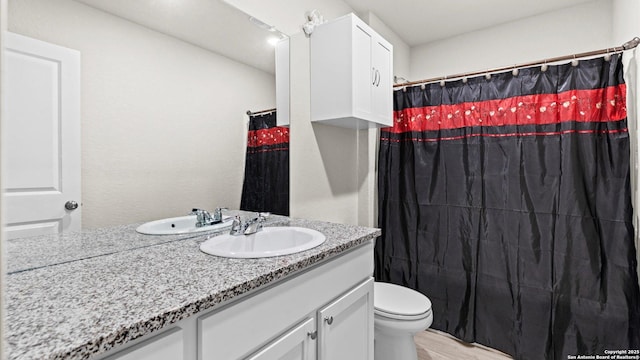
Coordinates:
[236,226]
[217,214]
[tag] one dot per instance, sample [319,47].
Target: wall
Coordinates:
[584,27]
[626,20]
[163,124]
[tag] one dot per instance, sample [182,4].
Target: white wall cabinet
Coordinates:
[351,75]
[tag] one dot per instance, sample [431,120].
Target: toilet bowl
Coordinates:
[399,313]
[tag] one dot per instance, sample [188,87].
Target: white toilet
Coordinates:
[399,313]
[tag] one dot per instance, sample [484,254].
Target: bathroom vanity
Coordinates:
[160,297]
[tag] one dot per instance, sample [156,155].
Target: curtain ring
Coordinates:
[443,82]
[487,76]
[575,61]
[544,66]
[515,71]
[423,86]
[464,80]
[607,56]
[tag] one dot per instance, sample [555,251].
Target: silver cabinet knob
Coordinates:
[71,205]
[329,320]
[313,335]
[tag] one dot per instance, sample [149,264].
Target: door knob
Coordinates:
[71,205]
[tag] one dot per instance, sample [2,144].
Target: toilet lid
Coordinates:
[397,301]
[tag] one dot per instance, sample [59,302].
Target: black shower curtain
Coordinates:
[266,171]
[507,202]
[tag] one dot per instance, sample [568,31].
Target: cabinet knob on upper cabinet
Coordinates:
[313,335]
[374,73]
[329,320]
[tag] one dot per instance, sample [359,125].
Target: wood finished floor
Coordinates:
[436,345]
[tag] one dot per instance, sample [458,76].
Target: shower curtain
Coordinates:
[507,202]
[266,171]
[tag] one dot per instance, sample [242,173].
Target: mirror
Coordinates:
[164,88]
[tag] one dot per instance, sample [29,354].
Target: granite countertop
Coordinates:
[34,252]
[85,300]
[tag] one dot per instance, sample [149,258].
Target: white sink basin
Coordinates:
[270,241]
[180,225]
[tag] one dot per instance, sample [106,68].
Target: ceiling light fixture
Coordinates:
[273,40]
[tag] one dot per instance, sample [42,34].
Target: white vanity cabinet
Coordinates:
[325,311]
[351,75]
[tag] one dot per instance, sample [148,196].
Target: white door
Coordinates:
[41,138]
[345,331]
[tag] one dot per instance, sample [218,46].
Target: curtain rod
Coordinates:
[631,44]
[250,113]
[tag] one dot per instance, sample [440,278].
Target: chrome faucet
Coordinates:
[248,227]
[203,218]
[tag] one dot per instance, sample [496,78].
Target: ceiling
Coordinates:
[421,21]
[209,24]
[221,28]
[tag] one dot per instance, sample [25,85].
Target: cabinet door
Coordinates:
[363,72]
[297,344]
[345,329]
[383,85]
[166,346]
